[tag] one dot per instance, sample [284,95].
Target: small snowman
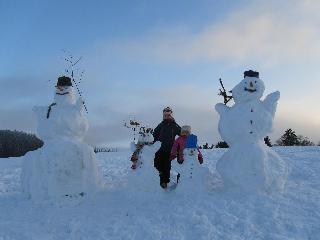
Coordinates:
[191,174]
[65,166]
[249,164]
[144,176]
[145,137]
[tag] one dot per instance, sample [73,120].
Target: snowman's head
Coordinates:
[250,88]
[190,152]
[149,138]
[64,92]
[142,137]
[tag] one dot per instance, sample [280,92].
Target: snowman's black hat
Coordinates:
[64,81]
[251,73]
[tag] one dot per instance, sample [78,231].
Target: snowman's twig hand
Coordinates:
[223,93]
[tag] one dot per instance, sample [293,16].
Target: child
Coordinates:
[186,140]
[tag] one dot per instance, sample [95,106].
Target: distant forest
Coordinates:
[18,143]
[289,138]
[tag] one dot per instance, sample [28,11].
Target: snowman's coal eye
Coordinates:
[255,81]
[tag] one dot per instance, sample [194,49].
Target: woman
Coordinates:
[165,132]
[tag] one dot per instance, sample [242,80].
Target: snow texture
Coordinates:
[249,164]
[65,166]
[120,212]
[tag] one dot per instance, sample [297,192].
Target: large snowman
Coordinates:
[65,166]
[249,164]
[144,176]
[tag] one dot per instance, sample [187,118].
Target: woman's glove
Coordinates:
[172,157]
[180,161]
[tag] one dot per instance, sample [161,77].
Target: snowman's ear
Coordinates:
[221,108]
[272,98]
[271,101]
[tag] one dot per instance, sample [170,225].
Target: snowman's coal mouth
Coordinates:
[62,93]
[250,90]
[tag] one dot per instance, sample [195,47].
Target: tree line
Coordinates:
[17,143]
[289,138]
[104,149]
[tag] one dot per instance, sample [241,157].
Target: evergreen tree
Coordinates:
[304,141]
[289,138]
[206,146]
[267,141]
[222,144]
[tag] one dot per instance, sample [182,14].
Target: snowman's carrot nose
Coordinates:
[251,84]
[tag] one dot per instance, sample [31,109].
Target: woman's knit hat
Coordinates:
[167,109]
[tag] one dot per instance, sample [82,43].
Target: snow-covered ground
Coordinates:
[122,212]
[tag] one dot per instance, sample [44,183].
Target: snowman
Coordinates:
[144,175]
[65,166]
[145,137]
[189,169]
[249,164]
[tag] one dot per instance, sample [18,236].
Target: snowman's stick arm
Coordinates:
[79,92]
[223,93]
[71,67]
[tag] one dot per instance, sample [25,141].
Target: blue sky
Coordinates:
[140,56]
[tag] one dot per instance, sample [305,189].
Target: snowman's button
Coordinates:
[251,110]
[251,132]
[251,121]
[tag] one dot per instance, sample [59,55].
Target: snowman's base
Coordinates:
[61,169]
[252,168]
[193,177]
[145,177]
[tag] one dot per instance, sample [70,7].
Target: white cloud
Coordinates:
[268,32]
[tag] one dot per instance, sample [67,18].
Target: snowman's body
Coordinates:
[144,177]
[192,174]
[65,166]
[63,119]
[249,163]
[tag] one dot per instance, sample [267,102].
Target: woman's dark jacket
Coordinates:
[166,132]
